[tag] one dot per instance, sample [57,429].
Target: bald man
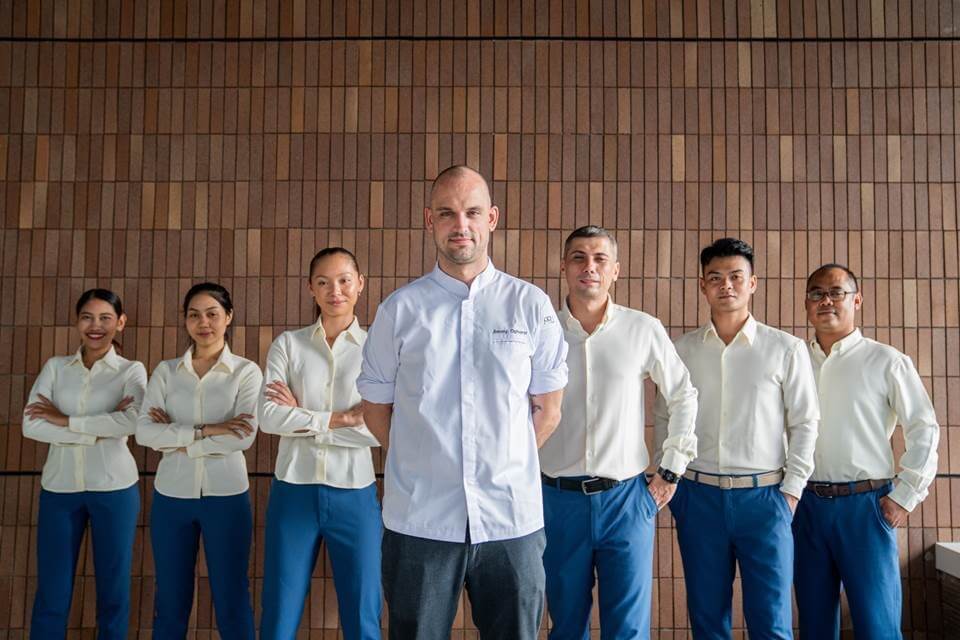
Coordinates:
[462,376]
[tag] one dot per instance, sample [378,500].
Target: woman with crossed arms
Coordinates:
[324,487]
[84,406]
[199,412]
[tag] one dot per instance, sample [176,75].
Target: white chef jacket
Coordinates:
[459,365]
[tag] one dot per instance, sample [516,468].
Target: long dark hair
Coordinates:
[330,251]
[215,291]
[107,296]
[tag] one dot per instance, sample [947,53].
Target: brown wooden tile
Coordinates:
[147,165]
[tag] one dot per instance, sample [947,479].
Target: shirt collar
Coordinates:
[748,331]
[570,321]
[457,287]
[352,332]
[844,344]
[109,359]
[227,362]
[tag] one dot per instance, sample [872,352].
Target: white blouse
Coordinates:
[323,379]
[211,466]
[90,453]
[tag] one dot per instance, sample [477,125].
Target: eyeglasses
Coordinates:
[836,295]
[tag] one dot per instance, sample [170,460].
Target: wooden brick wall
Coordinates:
[145,145]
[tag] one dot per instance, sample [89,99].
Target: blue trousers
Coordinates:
[176,524]
[609,535]
[718,529]
[299,518]
[846,540]
[63,519]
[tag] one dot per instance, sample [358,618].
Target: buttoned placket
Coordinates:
[590,405]
[589,398]
[199,469]
[79,456]
[468,415]
[321,471]
[723,401]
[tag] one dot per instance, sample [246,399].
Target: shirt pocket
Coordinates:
[510,360]
[510,349]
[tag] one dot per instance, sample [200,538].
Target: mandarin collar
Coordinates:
[460,289]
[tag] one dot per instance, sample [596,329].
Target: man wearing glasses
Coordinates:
[845,526]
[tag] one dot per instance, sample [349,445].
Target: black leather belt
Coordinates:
[842,489]
[587,486]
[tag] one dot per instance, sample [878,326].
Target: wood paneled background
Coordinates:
[145,145]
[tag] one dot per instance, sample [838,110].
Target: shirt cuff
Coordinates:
[320,425]
[675,461]
[77,424]
[905,496]
[195,450]
[793,485]
[186,435]
[548,381]
[376,392]
[86,440]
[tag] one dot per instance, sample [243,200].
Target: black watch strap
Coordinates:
[668,475]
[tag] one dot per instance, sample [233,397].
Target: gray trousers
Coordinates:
[423,579]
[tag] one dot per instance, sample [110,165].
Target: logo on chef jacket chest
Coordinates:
[507,336]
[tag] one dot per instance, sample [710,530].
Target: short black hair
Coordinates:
[724,248]
[834,265]
[590,231]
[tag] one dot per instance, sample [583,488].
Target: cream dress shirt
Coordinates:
[866,388]
[757,399]
[323,379]
[90,453]
[601,432]
[211,466]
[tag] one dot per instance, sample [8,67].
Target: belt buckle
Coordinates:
[589,492]
[725,482]
[825,487]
